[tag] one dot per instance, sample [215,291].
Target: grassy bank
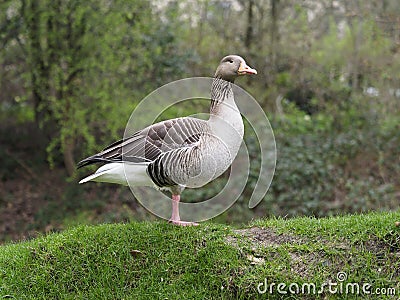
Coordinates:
[160,261]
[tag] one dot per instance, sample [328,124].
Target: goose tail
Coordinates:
[134,174]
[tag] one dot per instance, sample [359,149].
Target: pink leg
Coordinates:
[175,218]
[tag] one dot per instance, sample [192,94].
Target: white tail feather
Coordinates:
[121,173]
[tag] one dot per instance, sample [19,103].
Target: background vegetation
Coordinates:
[72,72]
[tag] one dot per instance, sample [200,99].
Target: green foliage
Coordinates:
[89,65]
[78,69]
[330,164]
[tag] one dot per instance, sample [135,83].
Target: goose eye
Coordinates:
[231,61]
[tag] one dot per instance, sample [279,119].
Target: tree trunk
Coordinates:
[38,68]
[68,153]
[274,32]
[355,24]
[203,19]
[249,30]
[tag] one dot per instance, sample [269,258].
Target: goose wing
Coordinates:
[149,143]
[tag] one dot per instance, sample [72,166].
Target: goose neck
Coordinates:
[224,113]
[221,93]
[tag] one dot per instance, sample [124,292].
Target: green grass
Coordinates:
[160,261]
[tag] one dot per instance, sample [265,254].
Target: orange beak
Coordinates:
[245,69]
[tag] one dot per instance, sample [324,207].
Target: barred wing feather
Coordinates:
[149,143]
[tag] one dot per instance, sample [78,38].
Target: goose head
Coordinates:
[231,67]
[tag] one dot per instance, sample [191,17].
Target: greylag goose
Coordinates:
[182,152]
